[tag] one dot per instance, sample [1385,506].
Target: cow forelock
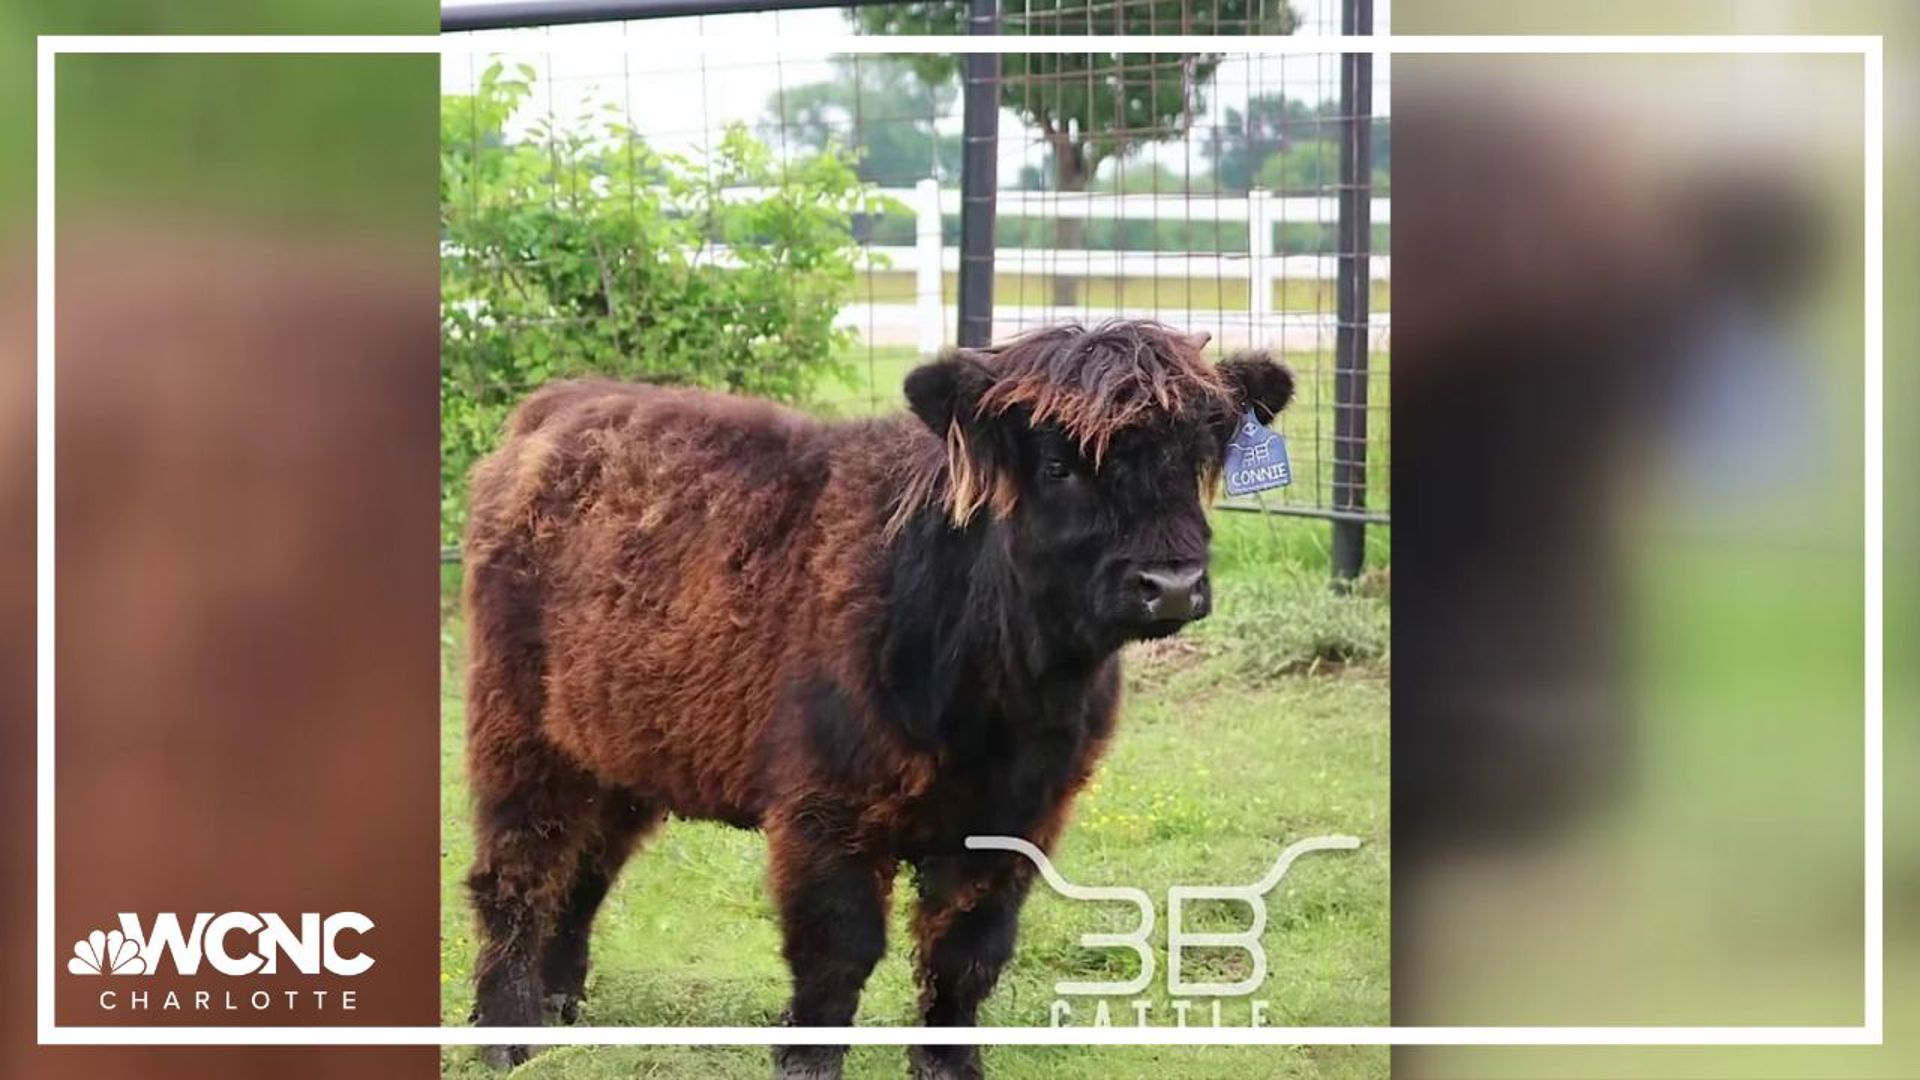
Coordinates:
[1095,384]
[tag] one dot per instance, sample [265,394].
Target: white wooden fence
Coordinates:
[926,322]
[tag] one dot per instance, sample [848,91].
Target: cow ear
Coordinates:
[947,390]
[1258,382]
[945,395]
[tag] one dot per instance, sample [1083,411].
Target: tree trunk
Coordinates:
[1070,175]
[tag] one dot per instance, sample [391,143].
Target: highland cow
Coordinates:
[869,640]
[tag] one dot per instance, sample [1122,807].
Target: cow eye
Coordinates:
[1056,469]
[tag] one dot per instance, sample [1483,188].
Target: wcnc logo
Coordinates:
[235,944]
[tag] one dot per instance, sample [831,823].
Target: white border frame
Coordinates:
[1871,1032]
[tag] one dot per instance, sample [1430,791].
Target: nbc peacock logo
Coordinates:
[108,952]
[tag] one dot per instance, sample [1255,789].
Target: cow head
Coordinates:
[1092,455]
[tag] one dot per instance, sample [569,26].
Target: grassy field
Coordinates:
[1266,724]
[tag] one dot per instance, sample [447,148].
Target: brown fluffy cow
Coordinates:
[868,639]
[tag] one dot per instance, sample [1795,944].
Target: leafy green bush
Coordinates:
[578,249]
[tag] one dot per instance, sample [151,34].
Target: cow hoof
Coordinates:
[563,1008]
[944,1063]
[503,1058]
[807,1062]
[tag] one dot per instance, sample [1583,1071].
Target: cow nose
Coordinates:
[1175,592]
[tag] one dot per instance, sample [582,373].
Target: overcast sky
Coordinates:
[676,103]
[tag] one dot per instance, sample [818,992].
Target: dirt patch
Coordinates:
[1156,661]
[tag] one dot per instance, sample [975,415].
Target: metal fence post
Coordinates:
[927,269]
[979,178]
[1355,263]
[1259,263]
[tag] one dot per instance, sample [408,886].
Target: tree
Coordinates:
[1272,124]
[877,107]
[1090,107]
[1286,145]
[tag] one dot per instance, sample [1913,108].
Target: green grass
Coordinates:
[1219,762]
[1200,294]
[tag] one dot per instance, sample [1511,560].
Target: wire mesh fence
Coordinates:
[791,228]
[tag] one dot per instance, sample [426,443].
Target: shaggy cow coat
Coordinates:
[869,640]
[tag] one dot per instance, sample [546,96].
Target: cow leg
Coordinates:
[833,916]
[530,808]
[623,821]
[964,929]
[527,845]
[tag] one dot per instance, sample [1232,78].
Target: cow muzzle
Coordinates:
[1174,594]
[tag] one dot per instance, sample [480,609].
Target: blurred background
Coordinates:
[1628,716]
[1628,735]
[246,475]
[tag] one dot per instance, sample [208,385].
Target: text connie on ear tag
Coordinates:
[1256,458]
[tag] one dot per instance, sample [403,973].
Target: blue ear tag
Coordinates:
[1256,458]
